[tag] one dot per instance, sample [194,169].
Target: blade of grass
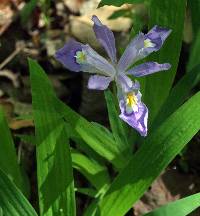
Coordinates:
[54,165]
[153,156]
[12,201]
[180,207]
[91,169]
[95,137]
[8,157]
[84,147]
[95,173]
[169,14]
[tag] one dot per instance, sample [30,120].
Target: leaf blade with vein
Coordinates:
[52,149]
[153,156]
[180,207]
[12,201]
[8,157]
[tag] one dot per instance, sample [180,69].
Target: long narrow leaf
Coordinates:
[8,157]
[116,123]
[178,95]
[93,171]
[54,165]
[153,156]
[12,201]
[169,14]
[181,207]
[95,137]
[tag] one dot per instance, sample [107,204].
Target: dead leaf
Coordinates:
[18,124]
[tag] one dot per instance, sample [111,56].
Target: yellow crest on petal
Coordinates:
[148,43]
[131,99]
[80,57]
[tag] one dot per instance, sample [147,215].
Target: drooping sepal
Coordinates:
[136,119]
[67,55]
[133,111]
[99,82]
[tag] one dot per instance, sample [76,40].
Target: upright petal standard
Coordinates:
[77,57]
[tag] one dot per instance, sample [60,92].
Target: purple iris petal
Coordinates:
[136,85]
[66,55]
[148,68]
[137,120]
[156,36]
[94,63]
[158,32]
[105,37]
[99,82]
[131,53]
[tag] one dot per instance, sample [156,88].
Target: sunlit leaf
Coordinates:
[12,201]
[181,207]
[8,157]
[153,156]
[54,165]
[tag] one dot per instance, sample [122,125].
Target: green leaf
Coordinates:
[116,123]
[87,191]
[178,95]
[118,2]
[181,207]
[154,155]
[12,201]
[195,14]
[92,208]
[194,59]
[54,165]
[169,14]
[91,169]
[95,137]
[94,172]
[82,146]
[8,157]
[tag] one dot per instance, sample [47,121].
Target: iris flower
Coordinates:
[77,57]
